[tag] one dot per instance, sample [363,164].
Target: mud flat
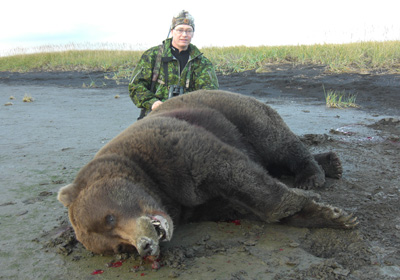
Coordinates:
[45,142]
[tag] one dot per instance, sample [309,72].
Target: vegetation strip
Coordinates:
[362,57]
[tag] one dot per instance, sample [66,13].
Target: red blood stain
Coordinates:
[281,250]
[151,258]
[143,274]
[236,222]
[97,271]
[155,265]
[115,264]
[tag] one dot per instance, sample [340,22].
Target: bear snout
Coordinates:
[149,231]
[147,247]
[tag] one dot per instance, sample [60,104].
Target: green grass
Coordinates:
[355,57]
[72,60]
[363,57]
[27,98]
[340,99]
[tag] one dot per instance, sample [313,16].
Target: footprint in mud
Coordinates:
[346,247]
[385,122]
[390,125]
[315,139]
[8,203]
[38,198]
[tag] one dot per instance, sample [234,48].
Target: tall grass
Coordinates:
[354,57]
[73,60]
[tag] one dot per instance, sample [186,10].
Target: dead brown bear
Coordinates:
[195,152]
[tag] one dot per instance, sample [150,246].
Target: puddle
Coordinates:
[357,133]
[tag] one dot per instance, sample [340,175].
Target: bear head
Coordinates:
[115,215]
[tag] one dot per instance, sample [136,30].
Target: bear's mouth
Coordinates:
[161,226]
[159,229]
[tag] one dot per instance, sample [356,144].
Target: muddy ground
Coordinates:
[45,142]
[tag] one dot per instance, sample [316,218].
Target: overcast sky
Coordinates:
[142,24]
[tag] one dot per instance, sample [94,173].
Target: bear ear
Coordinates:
[67,194]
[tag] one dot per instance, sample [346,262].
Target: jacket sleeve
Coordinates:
[139,85]
[205,76]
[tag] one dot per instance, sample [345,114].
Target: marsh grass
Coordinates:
[340,99]
[92,84]
[72,60]
[27,98]
[362,57]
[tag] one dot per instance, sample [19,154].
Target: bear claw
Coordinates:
[309,183]
[322,215]
[337,217]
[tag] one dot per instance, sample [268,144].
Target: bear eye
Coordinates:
[111,220]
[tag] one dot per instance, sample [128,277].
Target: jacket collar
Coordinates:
[194,51]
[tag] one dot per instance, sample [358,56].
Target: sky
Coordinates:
[28,26]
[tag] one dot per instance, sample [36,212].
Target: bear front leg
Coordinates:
[272,201]
[291,202]
[247,184]
[321,215]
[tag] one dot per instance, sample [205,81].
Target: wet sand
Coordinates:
[44,143]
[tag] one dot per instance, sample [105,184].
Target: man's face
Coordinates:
[181,36]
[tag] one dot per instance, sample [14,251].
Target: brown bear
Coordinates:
[199,151]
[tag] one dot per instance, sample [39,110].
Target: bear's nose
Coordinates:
[147,247]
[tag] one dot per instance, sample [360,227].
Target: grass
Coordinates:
[72,60]
[27,98]
[362,57]
[355,57]
[92,84]
[340,99]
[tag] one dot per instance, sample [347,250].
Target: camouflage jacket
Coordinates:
[198,71]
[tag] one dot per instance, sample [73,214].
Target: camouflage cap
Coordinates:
[183,18]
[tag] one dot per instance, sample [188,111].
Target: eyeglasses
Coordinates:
[181,31]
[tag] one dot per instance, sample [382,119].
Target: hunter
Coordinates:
[175,67]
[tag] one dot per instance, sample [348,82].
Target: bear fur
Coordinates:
[199,151]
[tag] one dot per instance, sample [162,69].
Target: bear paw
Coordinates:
[322,215]
[309,182]
[331,164]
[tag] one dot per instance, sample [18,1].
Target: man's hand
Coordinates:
[156,104]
